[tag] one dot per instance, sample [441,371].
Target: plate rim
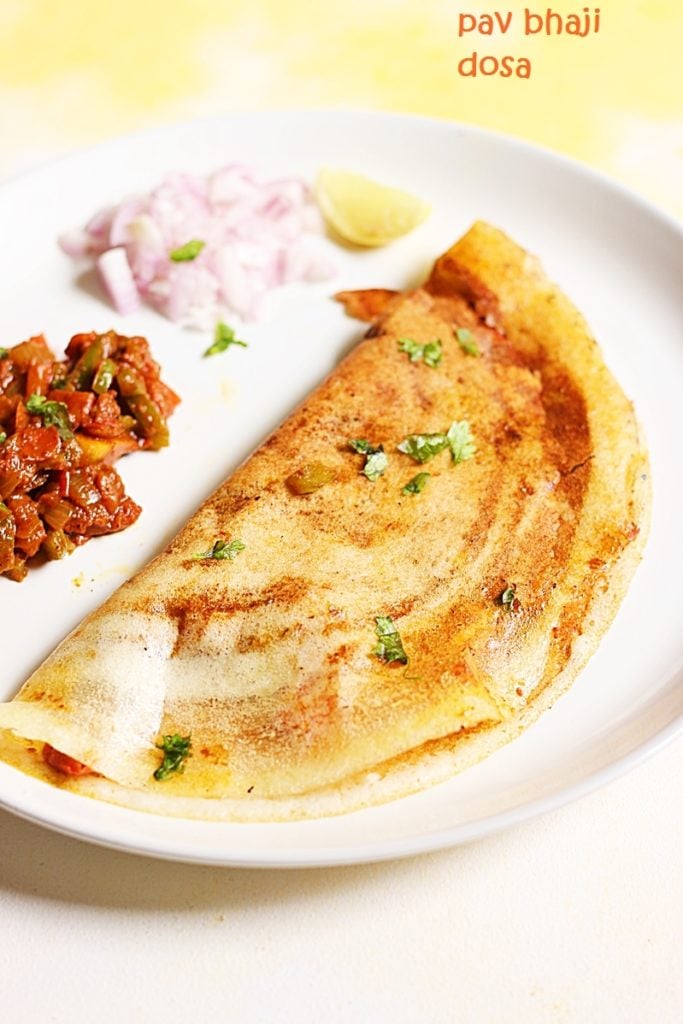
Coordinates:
[341,856]
[386,849]
[443,123]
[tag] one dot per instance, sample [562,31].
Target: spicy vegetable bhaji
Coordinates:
[63,423]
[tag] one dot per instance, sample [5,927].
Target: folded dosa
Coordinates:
[267,660]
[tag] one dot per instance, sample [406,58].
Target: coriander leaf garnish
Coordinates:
[460,441]
[176,751]
[509,599]
[223,338]
[423,447]
[4,353]
[467,342]
[389,647]
[375,465]
[430,352]
[376,460]
[54,414]
[412,348]
[3,436]
[189,251]
[363,447]
[417,484]
[222,549]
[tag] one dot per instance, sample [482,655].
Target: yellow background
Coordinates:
[76,71]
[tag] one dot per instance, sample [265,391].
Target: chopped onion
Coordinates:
[76,243]
[257,235]
[118,280]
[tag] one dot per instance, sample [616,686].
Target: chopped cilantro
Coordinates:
[417,484]
[222,549]
[430,352]
[4,353]
[509,599]
[189,251]
[376,460]
[176,751]
[375,465]
[223,338]
[3,436]
[412,348]
[363,447]
[389,647]
[460,441]
[54,414]
[423,447]
[467,342]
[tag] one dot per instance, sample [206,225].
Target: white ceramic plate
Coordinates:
[619,259]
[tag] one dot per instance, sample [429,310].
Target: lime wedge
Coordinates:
[363,211]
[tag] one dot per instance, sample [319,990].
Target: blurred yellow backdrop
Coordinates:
[77,71]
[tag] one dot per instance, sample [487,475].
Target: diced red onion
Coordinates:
[124,214]
[99,224]
[76,243]
[118,280]
[257,235]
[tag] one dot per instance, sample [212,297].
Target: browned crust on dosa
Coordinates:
[290,714]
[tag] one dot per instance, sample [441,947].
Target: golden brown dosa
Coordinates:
[266,661]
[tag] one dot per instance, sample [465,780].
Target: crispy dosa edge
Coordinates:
[508,287]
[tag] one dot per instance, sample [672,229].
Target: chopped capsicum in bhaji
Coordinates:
[62,425]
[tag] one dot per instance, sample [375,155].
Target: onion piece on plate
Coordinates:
[118,280]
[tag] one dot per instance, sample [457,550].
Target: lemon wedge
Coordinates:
[363,211]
